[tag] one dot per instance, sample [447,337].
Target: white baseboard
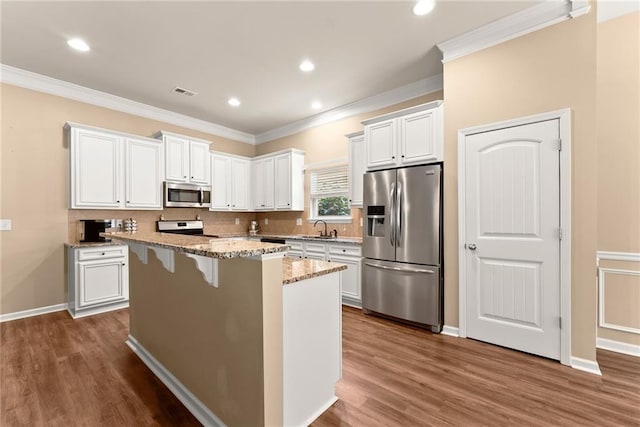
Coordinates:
[320,411]
[452,331]
[191,402]
[585,365]
[33,312]
[618,347]
[351,302]
[78,313]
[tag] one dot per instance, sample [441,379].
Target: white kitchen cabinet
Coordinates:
[186,159]
[297,248]
[143,174]
[407,137]
[264,183]
[113,170]
[351,277]
[231,178]
[98,279]
[356,168]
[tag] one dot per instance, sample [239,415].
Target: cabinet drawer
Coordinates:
[344,250]
[315,247]
[296,245]
[101,252]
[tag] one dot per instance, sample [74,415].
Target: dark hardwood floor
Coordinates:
[55,371]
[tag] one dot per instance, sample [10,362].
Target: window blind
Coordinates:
[329,182]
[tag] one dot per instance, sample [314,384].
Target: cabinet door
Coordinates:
[283,181]
[418,137]
[220,182]
[356,170]
[240,188]
[143,174]
[176,155]
[102,282]
[95,169]
[264,184]
[350,278]
[381,144]
[199,163]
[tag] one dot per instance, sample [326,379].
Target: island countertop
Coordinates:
[199,245]
[295,269]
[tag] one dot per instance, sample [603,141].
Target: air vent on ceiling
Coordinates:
[184,91]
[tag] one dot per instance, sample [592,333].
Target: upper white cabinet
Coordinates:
[231,183]
[356,168]
[187,159]
[406,137]
[279,181]
[113,170]
[264,184]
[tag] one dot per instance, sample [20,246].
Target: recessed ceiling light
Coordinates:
[234,102]
[423,7]
[307,66]
[316,105]
[79,44]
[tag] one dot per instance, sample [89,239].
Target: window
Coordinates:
[329,189]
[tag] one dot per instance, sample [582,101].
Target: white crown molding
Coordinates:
[26,79]
[33,312]
[618,347]
[590,366]
[385,99]
[611,9]
[512,26]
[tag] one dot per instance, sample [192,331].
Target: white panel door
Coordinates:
[512,237]
[220,191]
[418,137]
[283,181]
[96,158]
[381,144]
[176,156]
[143,176]
[240,179]
[199,163]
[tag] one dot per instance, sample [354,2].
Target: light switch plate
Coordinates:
[237,221]
[266,221]
[299,221]
[360,221]
[5,225]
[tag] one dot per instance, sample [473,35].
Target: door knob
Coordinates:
[472,246]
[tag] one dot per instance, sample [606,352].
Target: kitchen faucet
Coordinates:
[325,234]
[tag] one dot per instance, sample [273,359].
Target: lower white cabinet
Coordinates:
[350,255]
[98,279]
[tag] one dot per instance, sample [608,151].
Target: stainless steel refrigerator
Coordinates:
[402,271]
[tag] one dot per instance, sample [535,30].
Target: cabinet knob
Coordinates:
[102,253]
[123,263]
[288,204]
[403,156]
[393,157]
[344,250]
[185,176]
[117,201]
[234,206]
[191,177]
[128,201]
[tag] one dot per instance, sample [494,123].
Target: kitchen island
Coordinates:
[241,334]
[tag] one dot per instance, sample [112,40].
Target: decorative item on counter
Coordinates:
[253,229]
[198,217]
[130,224]
[161,217]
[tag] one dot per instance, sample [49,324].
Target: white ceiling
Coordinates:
[251,50]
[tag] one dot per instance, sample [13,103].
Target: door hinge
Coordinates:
[560,322]
[559,144]
[560,233]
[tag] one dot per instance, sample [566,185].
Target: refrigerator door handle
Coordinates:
[398,215]
[392,214]
[406,270]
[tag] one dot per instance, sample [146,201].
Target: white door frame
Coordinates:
[564,117]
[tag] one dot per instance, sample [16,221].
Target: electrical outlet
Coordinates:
[266,221]
[237,221]
[360,221]
[5,225]
[299,221]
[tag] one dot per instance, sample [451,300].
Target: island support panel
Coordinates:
[224,344]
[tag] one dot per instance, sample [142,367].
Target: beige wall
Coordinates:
[321,144]
[543,71]
[618,103]
[34,190]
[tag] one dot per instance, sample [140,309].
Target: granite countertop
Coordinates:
[295,269]
[78,244]
[306,237]
[199,245]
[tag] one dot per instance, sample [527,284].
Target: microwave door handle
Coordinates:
[392,207]
[201,196]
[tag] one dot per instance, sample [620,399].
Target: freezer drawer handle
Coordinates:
[406,270]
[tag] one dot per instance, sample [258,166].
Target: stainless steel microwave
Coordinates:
[186,195]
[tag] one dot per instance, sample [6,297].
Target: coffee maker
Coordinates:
[92,229]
